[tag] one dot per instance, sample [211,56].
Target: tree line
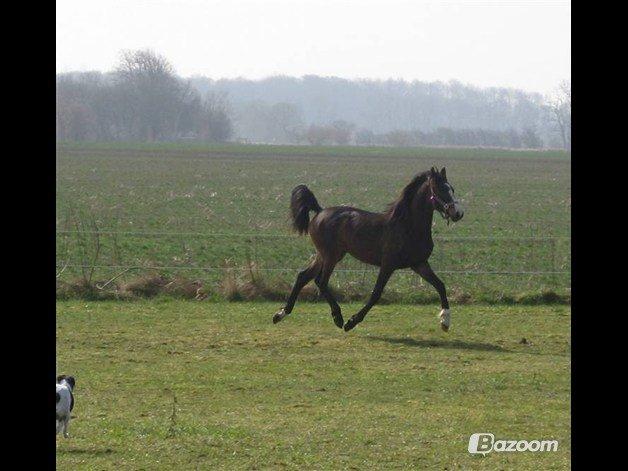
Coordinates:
[143,99]
[341,135]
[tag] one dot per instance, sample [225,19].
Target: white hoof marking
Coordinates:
[279,315]
[445,319]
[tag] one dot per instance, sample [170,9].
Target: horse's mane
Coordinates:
[399,209]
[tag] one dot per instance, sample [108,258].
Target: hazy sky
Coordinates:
[523,44]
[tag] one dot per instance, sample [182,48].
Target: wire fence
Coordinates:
[296,269]
[286,236]
[460,255]
[485,268]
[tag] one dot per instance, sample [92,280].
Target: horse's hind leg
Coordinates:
[322,281]
[303,278]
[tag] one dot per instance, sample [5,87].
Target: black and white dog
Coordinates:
[65,402]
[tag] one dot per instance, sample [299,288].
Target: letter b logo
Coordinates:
[481,443]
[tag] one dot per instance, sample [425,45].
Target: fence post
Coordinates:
[254,243]
[553,268]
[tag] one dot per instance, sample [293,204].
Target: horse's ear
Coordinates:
[443,173]
[433,172]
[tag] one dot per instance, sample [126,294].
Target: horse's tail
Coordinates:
[301,203]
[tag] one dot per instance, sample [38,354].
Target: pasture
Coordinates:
[205,212]
[166,384]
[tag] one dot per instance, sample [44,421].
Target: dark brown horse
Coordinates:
[400,237]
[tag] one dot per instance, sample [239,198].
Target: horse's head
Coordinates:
[442,195]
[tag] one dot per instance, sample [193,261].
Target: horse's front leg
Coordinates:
[425,270]
[382,279]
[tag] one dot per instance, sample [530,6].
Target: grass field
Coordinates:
[396,393]
[199,209]
[175,384]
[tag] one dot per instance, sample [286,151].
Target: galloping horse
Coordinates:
[400,237]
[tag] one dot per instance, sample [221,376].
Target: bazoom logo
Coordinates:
[484,443]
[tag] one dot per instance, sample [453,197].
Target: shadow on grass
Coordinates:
[86,451]
[452,344]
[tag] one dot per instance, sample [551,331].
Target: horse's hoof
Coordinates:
[351,323]
[445,319]
[279,315]
[338,320]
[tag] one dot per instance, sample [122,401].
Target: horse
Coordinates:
[398,238]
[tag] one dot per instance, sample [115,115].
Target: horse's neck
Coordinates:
[423,214]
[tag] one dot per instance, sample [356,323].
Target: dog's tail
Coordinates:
[301,203]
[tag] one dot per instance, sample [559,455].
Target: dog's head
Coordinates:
[69,380]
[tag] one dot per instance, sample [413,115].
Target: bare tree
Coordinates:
[320,135]
[530,139]
[287,122]
[214,121]
[152,91]
[343,131]
[559,106]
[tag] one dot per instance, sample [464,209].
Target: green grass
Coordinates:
[230,202]
[395,393]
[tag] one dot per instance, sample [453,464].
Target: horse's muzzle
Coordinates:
[457,216]
[455,212]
